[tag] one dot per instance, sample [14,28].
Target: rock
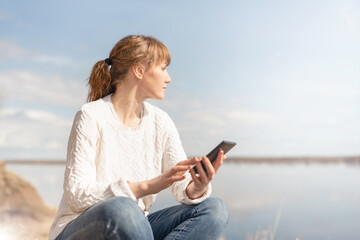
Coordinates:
[22,210]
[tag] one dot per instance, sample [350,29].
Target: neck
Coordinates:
[127,104]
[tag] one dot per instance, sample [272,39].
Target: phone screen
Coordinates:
[224,145]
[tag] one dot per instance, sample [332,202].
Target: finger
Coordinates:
[190,161]
[178,168]
[219,160]
[177,178]
[201,172]
[194,177]
[209,168]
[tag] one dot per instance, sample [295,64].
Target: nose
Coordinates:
[167,78]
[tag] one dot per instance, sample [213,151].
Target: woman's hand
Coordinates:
[164,180]
[200,181]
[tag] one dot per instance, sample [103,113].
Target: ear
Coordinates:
[138,70]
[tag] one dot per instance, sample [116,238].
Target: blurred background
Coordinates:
[280,78]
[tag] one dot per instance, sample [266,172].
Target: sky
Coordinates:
[280,78]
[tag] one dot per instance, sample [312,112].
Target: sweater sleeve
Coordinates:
[173,154]
[81,190]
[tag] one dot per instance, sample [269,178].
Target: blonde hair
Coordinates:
[133,49]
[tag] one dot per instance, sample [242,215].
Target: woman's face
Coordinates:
[154,81]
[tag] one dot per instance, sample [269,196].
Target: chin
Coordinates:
[160,97]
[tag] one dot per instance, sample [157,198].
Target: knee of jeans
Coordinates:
[119,208]
[216,209]
[121,215]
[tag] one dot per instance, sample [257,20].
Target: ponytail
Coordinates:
[99,81]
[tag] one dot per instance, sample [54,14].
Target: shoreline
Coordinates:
[270,160]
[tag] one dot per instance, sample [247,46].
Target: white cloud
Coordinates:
[247,117]
[202,123]
[24,133]
[33,87]
[55,60]
[42,116]
[11,50]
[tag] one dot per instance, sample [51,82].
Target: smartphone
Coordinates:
[224,145]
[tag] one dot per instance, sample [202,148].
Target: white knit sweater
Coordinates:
[103,154]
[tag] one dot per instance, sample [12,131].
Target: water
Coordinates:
[265,201]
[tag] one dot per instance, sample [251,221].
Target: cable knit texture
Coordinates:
[103,155]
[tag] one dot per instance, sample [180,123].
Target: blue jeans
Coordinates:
[121,218]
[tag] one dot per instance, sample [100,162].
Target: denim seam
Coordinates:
[185,224]
[166,216]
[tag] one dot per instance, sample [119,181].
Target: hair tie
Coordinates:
[108,61]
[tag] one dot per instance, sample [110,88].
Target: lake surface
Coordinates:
[265,201]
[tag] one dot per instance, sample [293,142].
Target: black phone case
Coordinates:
[224,145]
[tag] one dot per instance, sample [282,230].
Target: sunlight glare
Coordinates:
[5,234]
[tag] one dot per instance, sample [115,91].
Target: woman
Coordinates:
[122,151]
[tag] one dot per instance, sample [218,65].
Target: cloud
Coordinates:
[21,85]
[26,132]
[250,117]
[202,124]
[24,85]
[11,50]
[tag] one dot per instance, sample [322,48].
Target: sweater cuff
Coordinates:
[184,198]
[121,188]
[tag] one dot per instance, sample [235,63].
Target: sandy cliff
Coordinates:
[23,214]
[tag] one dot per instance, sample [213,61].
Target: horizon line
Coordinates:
[286,159]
